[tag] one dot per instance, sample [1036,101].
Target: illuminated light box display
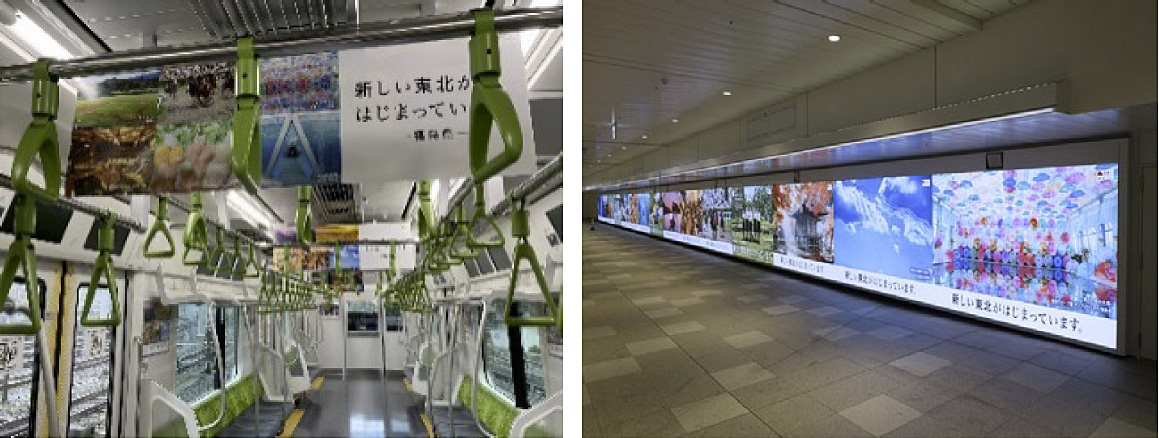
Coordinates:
[1032,248]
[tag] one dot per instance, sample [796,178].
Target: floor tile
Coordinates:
[880,415]
[920,363]
[609,369]
[706,293]
[780,310]
[788,416]
[747,339]
[1116,428]
[752,298]
[683,327]
[666,312]
[650,346]
[824,310]
[889,333]
[744,426]
[648,301]
[597,332]
[686,301]
[714,281]
[1034,376]
[701,414]
[741,376]
[752,286]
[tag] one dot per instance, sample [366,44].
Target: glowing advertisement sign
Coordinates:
[1033,248]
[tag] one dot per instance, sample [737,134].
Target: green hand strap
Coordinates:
[239,260]
[227,261]
[304,222]
[195,237]
[103,267]
[251,262]
[21,254]
[39,139]
[489,103]
[481,215]
[462,232]
[247,143]
[161,225]
[520,228]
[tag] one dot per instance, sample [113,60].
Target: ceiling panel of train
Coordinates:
[87,27]
[656,71]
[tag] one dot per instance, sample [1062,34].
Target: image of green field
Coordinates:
[117,110]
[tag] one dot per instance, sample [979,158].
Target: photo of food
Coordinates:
[192,157]
[336,233]
[753,221]
[805,220]
[1047,236]
[883,225]
[105,161]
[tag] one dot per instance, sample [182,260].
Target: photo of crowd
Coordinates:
[753,222]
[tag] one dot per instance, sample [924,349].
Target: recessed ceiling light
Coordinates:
[834,38]
[727,93]
[644,137]
[623,147]
[675,120]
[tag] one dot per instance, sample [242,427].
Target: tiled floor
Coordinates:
[679,342]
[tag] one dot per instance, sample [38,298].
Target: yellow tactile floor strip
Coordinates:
[427,422]
[317,383]
[292,423]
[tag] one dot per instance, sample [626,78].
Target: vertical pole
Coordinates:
[518,366]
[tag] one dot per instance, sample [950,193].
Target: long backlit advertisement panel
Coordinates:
[1034,248]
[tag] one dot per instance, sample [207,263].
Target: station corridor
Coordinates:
[680,342]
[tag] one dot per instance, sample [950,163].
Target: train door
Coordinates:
[393,340]
[22,395]
[90,369]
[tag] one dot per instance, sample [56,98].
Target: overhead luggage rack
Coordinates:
[438,27]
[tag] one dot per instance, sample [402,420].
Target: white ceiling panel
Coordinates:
[647,62]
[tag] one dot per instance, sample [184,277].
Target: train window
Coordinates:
[92,366]
[19,367]
[196,362]
[120,236]
[500,258]
[497,355]
[361,316]
[392,318]
[555,216]
[228,325]
[472,268]
[484,263]
[51,221]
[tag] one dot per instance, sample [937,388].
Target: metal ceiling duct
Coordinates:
[229,19]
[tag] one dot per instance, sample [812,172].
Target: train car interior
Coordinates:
[281,218]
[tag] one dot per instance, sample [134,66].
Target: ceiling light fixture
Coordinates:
[645,137]
[834,38]
[675,120]
[727,93]
[248,210]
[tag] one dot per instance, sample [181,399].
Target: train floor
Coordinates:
[680,342]
[361,405]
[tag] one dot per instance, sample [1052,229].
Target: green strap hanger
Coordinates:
[240,264]
[161,225]
[196,236]
[21,254]
[521,229]
[462,232]
[489,103]
[39,139]
[251,262]
[303,220]
[103,267]
[227,261]
[480,215]
[247,143]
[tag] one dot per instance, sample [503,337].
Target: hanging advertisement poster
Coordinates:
[12,354]
[153,132]
[335,233]
[296,259]
[883,225]
[157,328]
[753,222]
[301,143]
[412,102]
[805,220]
[377,257]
